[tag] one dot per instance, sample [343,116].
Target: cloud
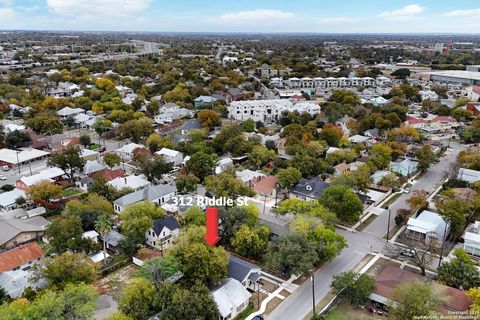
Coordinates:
[339,20]
[257,16]
[6,2]
[97,7]
[7,18]
[407,13]
[463,13]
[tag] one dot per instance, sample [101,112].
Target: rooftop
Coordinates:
[19,256]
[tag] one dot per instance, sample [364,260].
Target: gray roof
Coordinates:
[168,222]
[240,269]
[149,193]
[10,228]
[114,237]
[311,188]
[191,124]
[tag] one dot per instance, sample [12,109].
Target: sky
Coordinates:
[257,16]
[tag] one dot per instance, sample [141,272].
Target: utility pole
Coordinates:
[443,244]
[388,224]
[312,279]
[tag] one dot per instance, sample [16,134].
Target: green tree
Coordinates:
[135,129]
[209,119]
[65,234]
[138,218]
[68,268]
[248,125]
[138,299]
[69,160]
[460,272]
[201,165]
[15,139]
[353,286]
[226,185]
[425,157]
[85,140]
[413,299]
[45,191]
[159,269]
[45,123]
[102,125]
[260,156]
[186,183]
[193,216]
[343,202]
[111,159]
[250,242]
[155,142]
[287,178]
[153,168]
[380,156]
[291,254]
[89,209]
[103,225]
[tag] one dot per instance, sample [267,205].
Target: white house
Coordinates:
[171,156]
[133,182]
[471,239]
[126,152]
[428,95]
[249,177]
[48,174]
[69,112]
[427,226]
[231,299]
[158,194]
[7,199]
[223,164]
[468,175]
[163,233]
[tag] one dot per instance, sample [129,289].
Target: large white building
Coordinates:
[268,110]
[456,76]
[330,82]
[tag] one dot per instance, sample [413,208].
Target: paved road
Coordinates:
[299,304]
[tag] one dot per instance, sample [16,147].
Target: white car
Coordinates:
[3,178]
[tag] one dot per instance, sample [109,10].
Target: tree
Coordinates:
[85,140]
[15,139]
[308,208]
[102,125]
[69,160]
[422,252]
[155,142]
[198,261]
[331,134]
[68,268]
[186,183]
[328,244]
[232,218]
[65,234]
[455,213]
[159,269]
[390,181]
[291,253]
[135,129]
[45,191]
[89,209]
[111,159]
[403,134]
[287,178]
[425,157]
[103,225]
[209,119]
[412,300]
[380,156]
[250,242]
[401,73]
[260,155]
[460,272]
[226,185]
[193,216]
[353,286]
[178,95]
[138,218]
[474,294]
[154,168]
[248,125]
[419,200]
[138,299]
[118,315]
[343,202]
[201,165]
[45,123]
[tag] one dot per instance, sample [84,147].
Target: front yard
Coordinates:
[114,283]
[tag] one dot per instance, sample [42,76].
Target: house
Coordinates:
[157,194]
[112,240]
[190,125]
[473,93]
[126,152]
[266,187]
[231,298]
[427,226]
[14,232]
[249,177]
[173,157]
[163,233]
[404,167]
[377,176]
[99,256]
[341,168]
[88,154]
[133,182]
[471,237]
[182,203]
[243,271]
[428,95]
[91,234]
[203,102]
[14,158]
[8,199]
[468,175]
[49,174]
[358,139]
[170,112]
[234,94]
[223,164]
[454,301]
[92,166]
[69,112]
[309,189]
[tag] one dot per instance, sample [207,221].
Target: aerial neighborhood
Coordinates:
[353,164]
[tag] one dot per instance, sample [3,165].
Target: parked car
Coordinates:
[407,253]
[102,149]
[174,169]
[406,190]
[2,177]
[5,168]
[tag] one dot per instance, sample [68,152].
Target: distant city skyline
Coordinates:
[266,16]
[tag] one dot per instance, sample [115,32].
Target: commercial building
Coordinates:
[456,76]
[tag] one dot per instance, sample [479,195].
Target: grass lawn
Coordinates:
[71,192]
[345,311]
[365,223]
[391,200]
[94,146]
[245,313]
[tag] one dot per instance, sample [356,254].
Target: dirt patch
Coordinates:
[272,305]
[113,283]
[284,293]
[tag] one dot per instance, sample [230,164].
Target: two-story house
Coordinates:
[163,233]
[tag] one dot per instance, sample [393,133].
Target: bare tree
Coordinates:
[419,252]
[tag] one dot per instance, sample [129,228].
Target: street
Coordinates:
[299,304]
